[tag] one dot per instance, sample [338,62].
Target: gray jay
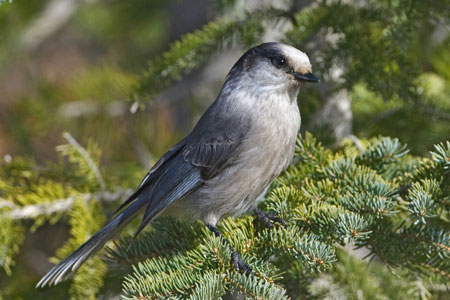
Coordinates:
[243,141]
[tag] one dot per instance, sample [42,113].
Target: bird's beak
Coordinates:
[310,77]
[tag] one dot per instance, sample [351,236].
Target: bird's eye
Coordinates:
[278,62]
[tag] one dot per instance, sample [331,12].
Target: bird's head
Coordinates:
[274,65]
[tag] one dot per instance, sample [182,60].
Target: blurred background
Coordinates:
[81,66]
[72,66]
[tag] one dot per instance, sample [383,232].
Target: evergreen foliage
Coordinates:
[365,198]
[337,198]
[60,191]
[377,195]
[194,49]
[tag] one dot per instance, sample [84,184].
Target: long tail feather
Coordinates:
[70,264]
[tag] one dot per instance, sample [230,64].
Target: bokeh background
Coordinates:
[79,66]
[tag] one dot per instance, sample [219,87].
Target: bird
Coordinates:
[225,165]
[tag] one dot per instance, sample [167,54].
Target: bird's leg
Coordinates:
[268,218]
[239,264]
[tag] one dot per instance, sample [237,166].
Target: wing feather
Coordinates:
[178,179]
[154,171]
[209,148]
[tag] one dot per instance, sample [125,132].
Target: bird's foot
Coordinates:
[239,264]
[269,218]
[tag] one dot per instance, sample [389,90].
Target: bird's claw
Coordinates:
[269,218]
[239,264]
[275,218]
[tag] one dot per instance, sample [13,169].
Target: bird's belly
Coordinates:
[232,193]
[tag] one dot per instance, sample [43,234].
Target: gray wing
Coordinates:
[153,173]
[211,154]
[168,155]
[209,149]
[214,142]
[177,179]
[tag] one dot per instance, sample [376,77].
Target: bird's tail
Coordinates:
[70,264]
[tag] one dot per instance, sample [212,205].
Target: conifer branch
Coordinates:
[92,165]
[193,49]
[34,211]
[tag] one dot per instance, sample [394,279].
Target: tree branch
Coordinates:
[87,158]
[58,206]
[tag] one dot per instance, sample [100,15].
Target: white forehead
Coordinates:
[297,59]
